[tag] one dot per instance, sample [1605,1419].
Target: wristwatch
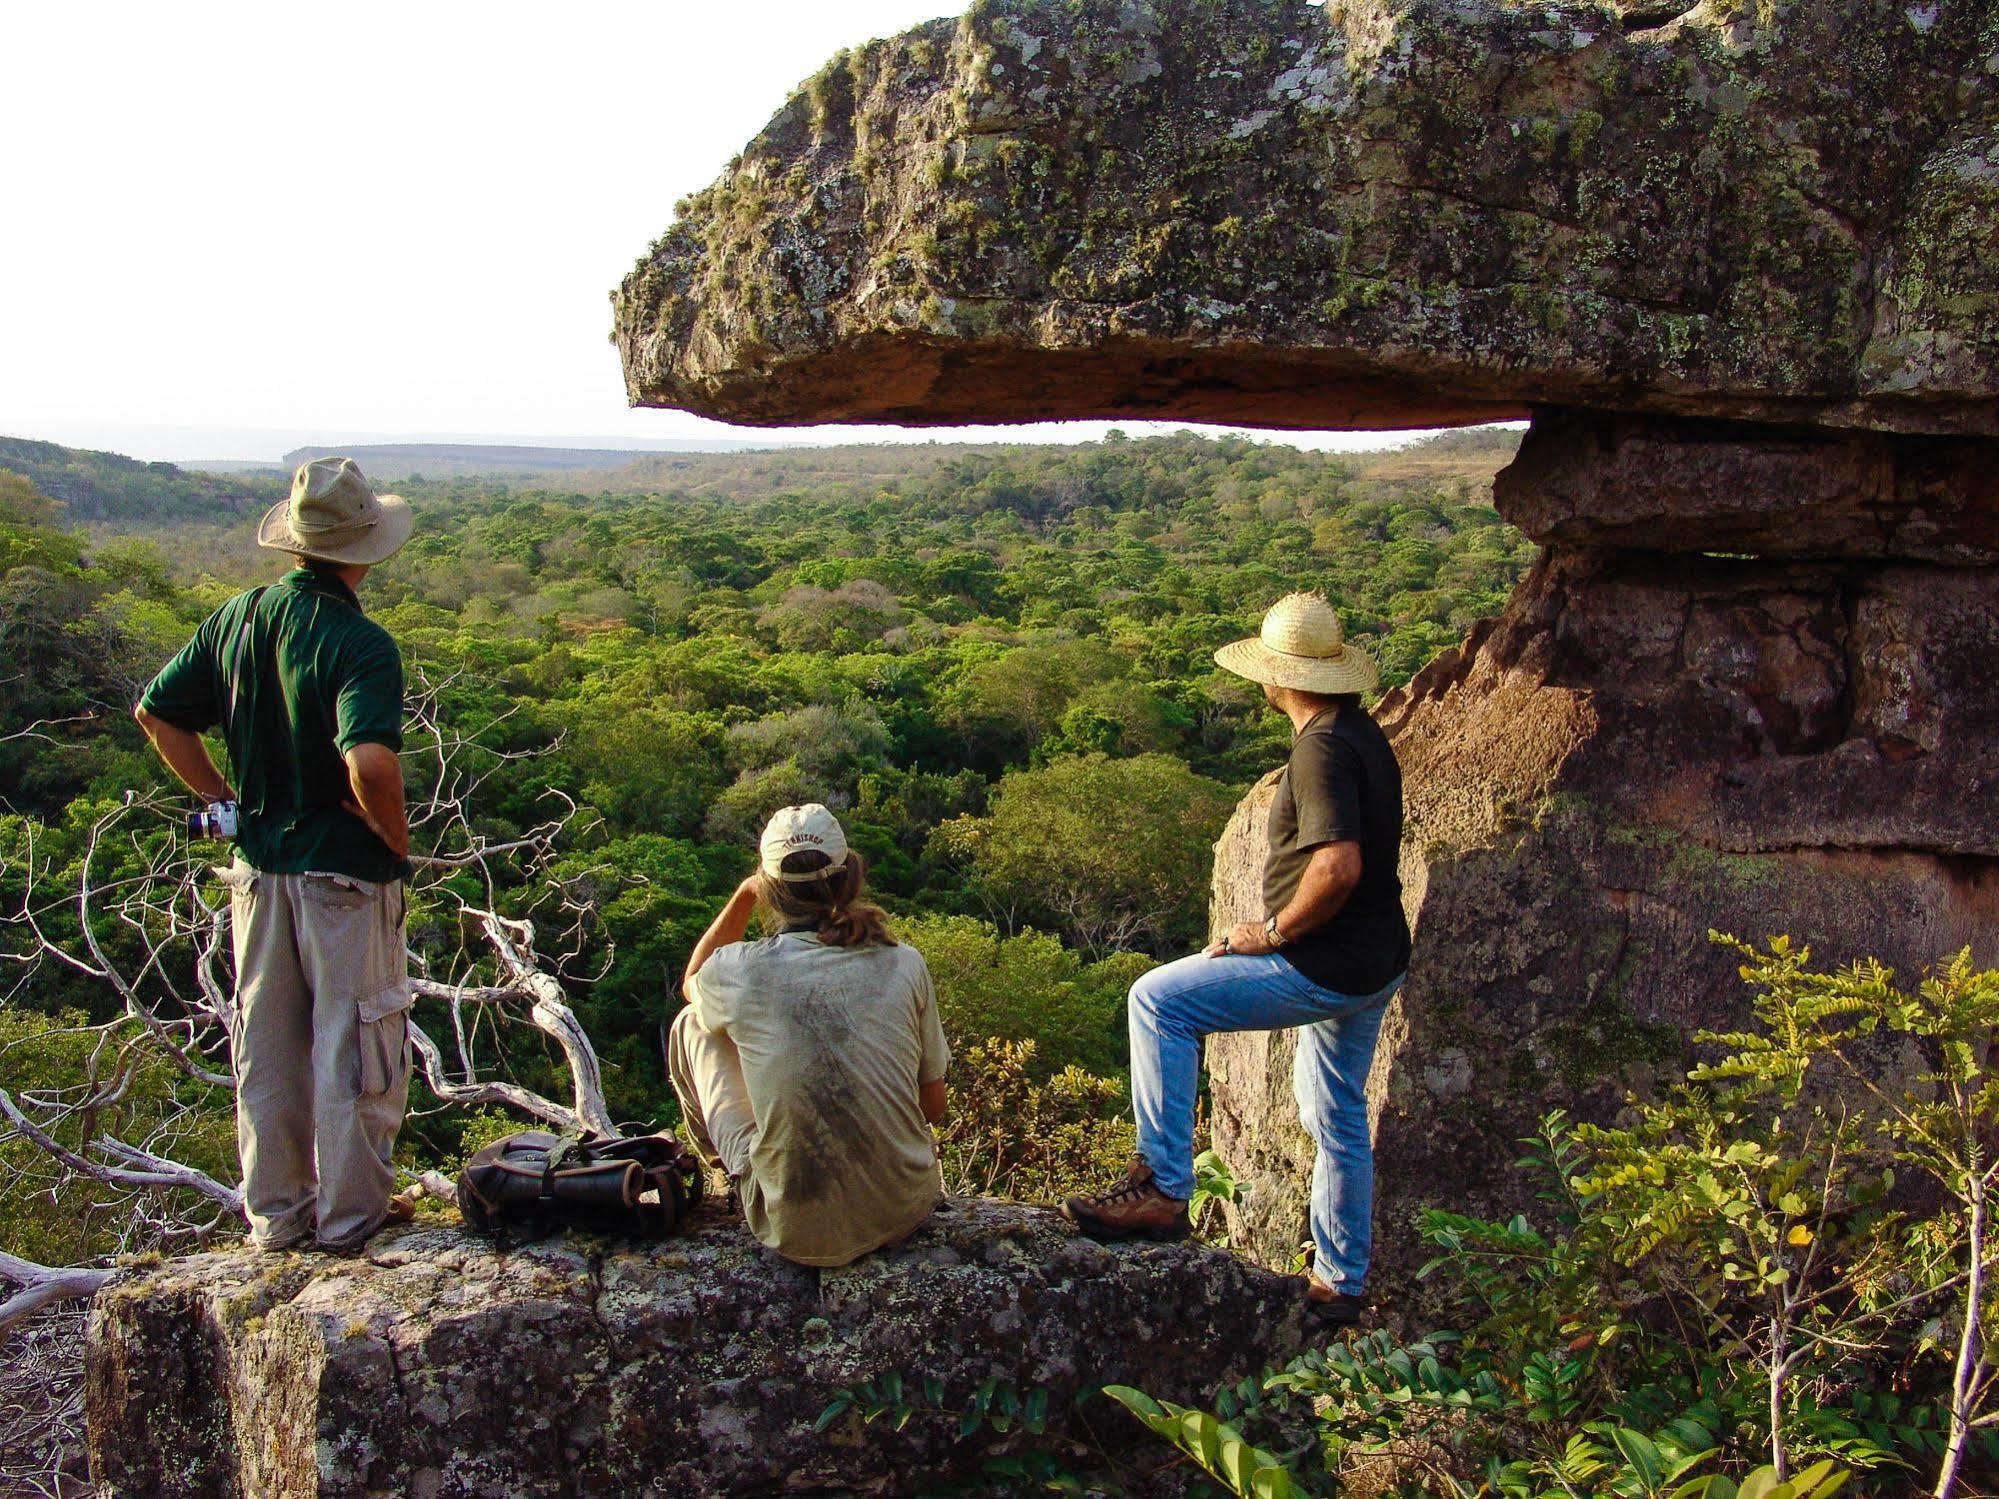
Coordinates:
[1270,930]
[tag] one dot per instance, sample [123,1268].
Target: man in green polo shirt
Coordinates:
[308,694]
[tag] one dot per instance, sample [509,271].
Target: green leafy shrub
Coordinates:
[1028,987]
[1010,1134]
[1111,853]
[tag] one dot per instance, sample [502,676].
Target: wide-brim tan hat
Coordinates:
[333,516]
[1302,646]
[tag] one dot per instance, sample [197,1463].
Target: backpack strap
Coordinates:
[570,1150]
[232,678]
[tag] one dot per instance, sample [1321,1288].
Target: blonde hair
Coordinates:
[832,903]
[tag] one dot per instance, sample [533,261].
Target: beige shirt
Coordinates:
[834,1043]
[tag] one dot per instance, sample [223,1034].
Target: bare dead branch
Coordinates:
[551,1013]
[42,1285]
[141,1168]
[37,729]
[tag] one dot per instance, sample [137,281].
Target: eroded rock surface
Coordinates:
[1591,479]
[440,1367]
[1641,749]
[1361,214]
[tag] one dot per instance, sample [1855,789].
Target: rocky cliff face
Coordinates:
[439,1367]
[1360,214]
[1644,747]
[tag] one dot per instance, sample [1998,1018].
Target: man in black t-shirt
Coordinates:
[1328,956]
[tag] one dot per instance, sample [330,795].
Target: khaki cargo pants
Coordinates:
[321,1046]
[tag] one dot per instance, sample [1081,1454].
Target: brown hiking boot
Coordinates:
[1329,1308]
[1133,1209]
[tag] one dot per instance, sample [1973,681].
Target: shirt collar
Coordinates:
[1313,722]
[312,580]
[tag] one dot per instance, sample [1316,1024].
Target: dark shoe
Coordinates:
[401,1209]
[1133,1209]
[1329,1308]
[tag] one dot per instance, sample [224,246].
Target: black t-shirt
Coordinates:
[1342,786]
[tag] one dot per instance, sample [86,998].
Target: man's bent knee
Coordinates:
[1145,994]
[1157,989]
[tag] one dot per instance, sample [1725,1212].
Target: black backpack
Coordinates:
[535,1181]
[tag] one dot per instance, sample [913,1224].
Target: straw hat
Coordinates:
[333,516]
[1301,646]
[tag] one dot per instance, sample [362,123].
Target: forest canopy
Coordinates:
[974,654]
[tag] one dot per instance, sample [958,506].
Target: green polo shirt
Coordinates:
[296,675]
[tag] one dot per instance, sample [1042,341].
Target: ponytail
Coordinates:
[832,902]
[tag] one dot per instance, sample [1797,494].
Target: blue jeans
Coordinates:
[1173,1007]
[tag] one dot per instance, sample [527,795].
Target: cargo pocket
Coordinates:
[383,1036]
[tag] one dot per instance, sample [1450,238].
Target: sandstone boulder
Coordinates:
[1356,214]
[1594,479]
[439,1366]
[1640,750]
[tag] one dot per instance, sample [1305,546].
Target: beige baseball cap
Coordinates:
[794,830]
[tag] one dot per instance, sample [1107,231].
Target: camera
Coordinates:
[216,820]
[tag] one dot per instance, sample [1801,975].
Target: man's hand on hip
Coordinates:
[376,776]
[1246,939]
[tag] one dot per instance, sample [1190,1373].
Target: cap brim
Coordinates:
[1353,670]
[775,867]
[383,540]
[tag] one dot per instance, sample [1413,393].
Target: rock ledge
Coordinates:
[440,1366]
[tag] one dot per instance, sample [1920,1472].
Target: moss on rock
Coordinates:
[1439,211]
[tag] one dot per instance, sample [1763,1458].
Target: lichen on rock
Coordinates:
[440,1366]
[1360,214]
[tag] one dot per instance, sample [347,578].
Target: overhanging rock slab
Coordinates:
[1356,214]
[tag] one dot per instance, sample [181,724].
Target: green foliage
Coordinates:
[62,723]
[1012,1134]
[108,487]
[1017,1451]
[1109,852]
[1213,1443]
[1215,1183]
[1729,1297]
[142,1092]
[1027,987]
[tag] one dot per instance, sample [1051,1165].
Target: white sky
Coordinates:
[236,225]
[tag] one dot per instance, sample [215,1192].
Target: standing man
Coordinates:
[1329,954]
[308,692]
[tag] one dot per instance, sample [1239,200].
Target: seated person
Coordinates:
[810,1065]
